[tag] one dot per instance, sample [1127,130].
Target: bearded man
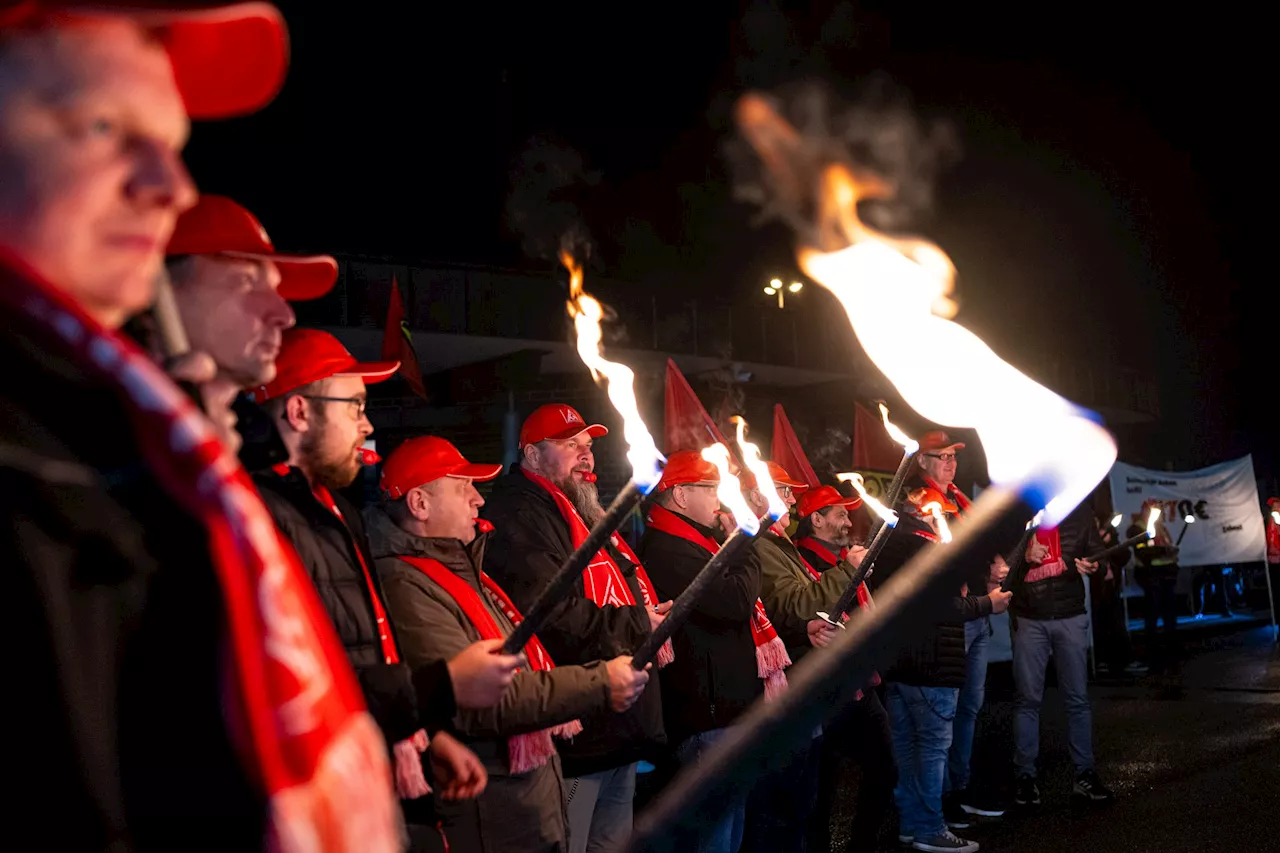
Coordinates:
[541,510]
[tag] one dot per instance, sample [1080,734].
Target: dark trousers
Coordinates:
[781,804]
[861,737]
[1162,605]
[1110,631]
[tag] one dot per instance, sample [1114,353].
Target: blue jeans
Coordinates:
[599,810]
[720,833]
[977,637]
[920,720]
[1068,641]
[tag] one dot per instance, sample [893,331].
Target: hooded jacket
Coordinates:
[529,542]
[515,812]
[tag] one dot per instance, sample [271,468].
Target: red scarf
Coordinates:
[864,597]
[771,653]
[957,497]
[291,701]
[602,580]
[527,751]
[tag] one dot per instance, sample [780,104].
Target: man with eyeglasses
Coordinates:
[937,464]
[317,399]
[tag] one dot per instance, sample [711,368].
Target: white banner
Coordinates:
[1228,526]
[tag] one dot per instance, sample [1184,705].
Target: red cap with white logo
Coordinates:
[557,422]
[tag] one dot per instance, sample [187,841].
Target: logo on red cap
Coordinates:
[556,422]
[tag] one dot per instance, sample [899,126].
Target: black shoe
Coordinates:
[953,814]
[979,806]
[1026,793]
[1088,785]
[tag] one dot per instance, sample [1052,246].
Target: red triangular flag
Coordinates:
[787,451]
[873,449]
[397,344]
[686,424]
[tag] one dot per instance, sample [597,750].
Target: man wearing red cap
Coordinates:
[318,398]
[1273,530]
[861,733]
[715,676]
[232,290]
[180,686]
[937,463]
[429,547]
[542,509]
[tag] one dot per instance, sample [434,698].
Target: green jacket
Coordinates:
[791,597]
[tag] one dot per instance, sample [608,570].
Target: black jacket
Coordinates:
[931,655]
[1061,596]
[714,677]
[529,542]
[119,739]
[401,700]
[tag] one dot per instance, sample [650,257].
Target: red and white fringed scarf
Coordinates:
[771,653]
[292,703]
[525,751]
[411,782]
[602,580]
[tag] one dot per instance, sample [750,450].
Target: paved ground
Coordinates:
[1194,759]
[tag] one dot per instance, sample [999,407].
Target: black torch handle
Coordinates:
[1017,560]
[1128,543]
[850,594]
[573,567]
[683,606]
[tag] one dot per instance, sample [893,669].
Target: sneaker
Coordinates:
[1137,668]
[979,806]
[1026,792]
[945,843]
[1090,786]
[905,839]
[953,814]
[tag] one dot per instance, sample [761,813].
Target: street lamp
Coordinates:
[775,287]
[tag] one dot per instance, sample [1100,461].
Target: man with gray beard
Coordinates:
[541,510]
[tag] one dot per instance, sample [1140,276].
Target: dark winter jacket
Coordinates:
[119,736]
[714,677]
[515,812]
[401,699]
[529,542]
[931,655]
[1060,596]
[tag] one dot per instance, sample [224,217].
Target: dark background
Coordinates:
[1102,209]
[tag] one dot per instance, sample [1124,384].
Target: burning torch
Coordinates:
[642,453]
[1147,535]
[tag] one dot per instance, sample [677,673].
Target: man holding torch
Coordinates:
[1048,617]
[541,511]
[715,676]
[860,733]
[429,548]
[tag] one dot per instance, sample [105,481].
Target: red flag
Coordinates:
[787,451]
[397,344]
[686,424]
[873,449]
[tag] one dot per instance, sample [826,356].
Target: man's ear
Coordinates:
[530,454]
[419,504]
[296,413]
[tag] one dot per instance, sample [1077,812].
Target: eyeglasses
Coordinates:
[945,457]
[357,404]
[784,492]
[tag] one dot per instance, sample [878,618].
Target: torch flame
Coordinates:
[890,517]
[751,458]
[730,490]
[940,519]
[586,312]
[1037,519]
[1275,516]
[909,444]
[894,289]
[1152,517]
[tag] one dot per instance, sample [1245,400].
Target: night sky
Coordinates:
[1103,206]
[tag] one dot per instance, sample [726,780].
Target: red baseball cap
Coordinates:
[927,494]
[421,460]
[938,440]
[1273,502]
[687,467]
[779,476]
[309,355]
[219,226]
[557,422]
[228,59]
[821,498]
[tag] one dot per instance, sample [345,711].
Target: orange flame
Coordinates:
[939,519]
[890,517]
[908,443]
[894,288]
[756,465]
[730,490]
[587,313]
